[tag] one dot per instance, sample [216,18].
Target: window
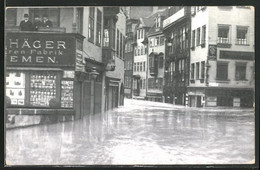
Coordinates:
[144,65]
[192,71]
[222,71]
[151,42]
[138,51]
[203,37]
[106,37]
[117,43]
[193,38]
[98,33]
[53,14]
[242,35]
[135,67]
[223,34]
[144,83]
[156,43]
[198,37]
[122,46]
[161,62]
[11,15]
[161,40]
[181,68]
[197,70]
[158,22]
[138,64]
[202,74]
[240,71]
[137,34]
[91,24]
[141,66]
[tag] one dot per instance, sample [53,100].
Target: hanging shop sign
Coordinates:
[212,54]
[40,49]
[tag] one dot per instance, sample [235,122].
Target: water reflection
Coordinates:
[137,134]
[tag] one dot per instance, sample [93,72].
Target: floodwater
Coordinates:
[139,133]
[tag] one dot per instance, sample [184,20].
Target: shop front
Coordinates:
[44,76]
[231,97]
[156,97]
[112,93]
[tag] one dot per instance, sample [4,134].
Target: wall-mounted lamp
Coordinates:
[94,73]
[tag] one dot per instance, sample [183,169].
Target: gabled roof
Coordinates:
[153,29]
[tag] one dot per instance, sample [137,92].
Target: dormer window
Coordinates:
[158,22]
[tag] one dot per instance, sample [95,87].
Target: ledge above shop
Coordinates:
[38,111]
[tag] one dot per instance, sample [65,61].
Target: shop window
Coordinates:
[67,94]
[240,71]
[198,37]
[161,62]
[222,71]
[53,14]
[242,35]
[98,33]
[193,39]
[202,74]
[197,70]
[91,24]
[203,36]
[42,88]
[11,16]
[223,34]
[192,71]
[15,87]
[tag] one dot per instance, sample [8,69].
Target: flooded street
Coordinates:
[140,132]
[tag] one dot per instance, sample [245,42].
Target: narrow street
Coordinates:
[140,132]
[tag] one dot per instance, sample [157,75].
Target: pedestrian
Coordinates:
[37,22]
[25,24]
[46,21]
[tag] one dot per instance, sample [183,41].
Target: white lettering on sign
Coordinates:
[174,17]
[37,44]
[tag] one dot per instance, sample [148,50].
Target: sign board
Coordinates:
[174,17]
[237,55]
[212,54]
[40,49]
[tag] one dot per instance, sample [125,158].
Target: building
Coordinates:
[222,56]
[61,72]
[140,70]
[176,28]
[113,55]
[156,58]
[133,14]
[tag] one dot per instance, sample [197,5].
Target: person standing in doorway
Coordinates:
[46,21]
[25,24]
[37,22]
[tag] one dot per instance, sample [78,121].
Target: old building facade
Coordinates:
[222,56]
[177,54]
[70,56]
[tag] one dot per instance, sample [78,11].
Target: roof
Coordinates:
[153,29]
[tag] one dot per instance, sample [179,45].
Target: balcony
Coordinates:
[224,42]
[40,29]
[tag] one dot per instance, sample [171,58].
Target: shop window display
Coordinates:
[15,87]
[43,89]
[67,94]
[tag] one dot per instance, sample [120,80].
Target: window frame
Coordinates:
[91,24]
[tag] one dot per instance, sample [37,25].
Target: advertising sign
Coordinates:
[212,54]
[40,49]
